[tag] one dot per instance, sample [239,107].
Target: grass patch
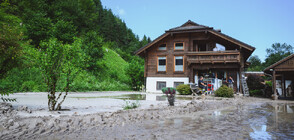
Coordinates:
[131,105]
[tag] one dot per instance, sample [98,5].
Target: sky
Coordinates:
[259,23]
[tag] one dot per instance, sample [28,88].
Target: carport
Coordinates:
[282,77]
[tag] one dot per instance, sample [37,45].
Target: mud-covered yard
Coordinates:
[100,116]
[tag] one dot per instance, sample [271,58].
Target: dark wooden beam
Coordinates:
[274,83]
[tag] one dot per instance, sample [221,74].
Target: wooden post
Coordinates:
[240,81]
[283,85]
[191,75]
[274,84]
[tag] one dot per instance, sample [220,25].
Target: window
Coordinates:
[179,64]
[220,47]
[161,66]
[160,85]
[179,46]
[178,83]
[162,47]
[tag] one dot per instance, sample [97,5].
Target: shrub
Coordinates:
[130,105]
[268,89]
[166,88]
[256,92]
[184,89]
[254,82]
[224,91]
[269,83]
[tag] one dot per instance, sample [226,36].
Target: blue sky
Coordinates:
[259,23]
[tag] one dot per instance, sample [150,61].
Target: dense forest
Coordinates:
[69,43]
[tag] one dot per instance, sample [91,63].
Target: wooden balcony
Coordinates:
[214,57]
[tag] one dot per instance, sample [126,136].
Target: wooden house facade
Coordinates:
[182,54]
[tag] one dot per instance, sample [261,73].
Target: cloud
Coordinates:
[120,11]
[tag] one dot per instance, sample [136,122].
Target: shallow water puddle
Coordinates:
[149,97]
[264,121]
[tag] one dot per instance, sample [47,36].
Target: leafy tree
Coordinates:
[256,64]
[64,31]
[59,63]
[92,45]
[277,52]
[136,73]
[11,35]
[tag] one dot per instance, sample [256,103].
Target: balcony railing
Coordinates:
[214,57]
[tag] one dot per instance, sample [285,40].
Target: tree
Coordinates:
[256,64]
[92,46]
[277,52]
[11,35]
[136,73]
[64,31]
[59,65]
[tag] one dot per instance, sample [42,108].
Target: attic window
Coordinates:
[179,46]
[162,47]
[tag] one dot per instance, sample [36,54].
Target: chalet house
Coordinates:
[182,54]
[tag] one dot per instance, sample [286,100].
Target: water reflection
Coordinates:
[148,97]
[262,121]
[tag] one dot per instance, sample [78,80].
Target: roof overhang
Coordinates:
[248,49]
[139,51]
[271,67]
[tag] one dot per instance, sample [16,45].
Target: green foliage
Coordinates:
[130,105]
[269,83]
[254,82]
[107,61]
[184,89]
[256,92]
[64,31]
[164,90]
[92,45]
[135,71]
[224,91]
[23,79]
[86,81]
[11,34]
[59,64]
[268,89]
[113,65]
[255,64]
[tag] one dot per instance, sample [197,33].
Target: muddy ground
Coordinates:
[214,118]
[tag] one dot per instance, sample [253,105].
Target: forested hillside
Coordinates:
[33,29]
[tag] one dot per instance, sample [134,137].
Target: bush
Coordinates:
[256,92]
[184,89]
[268,83]
[23,80]
[254,82]
[268,89]
[166,88]
[132,105]
[224,91]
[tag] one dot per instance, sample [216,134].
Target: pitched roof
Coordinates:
[278,63]
[191,26]
[151,43]
[249,47]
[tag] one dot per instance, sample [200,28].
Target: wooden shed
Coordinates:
[282,77]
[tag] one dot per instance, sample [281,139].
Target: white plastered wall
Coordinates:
[151,82]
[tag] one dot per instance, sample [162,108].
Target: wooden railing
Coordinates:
[214,57]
